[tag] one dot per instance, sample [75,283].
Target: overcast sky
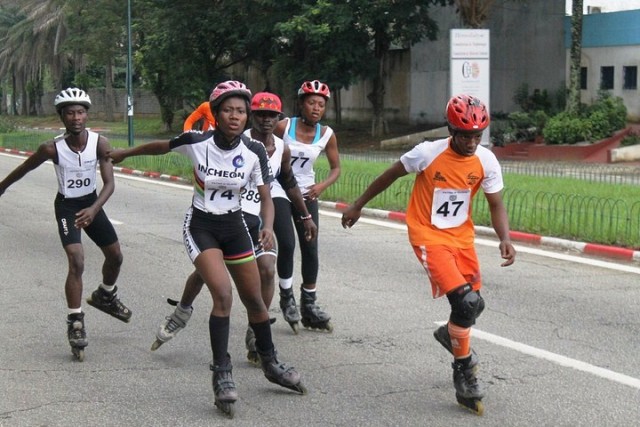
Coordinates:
[607,5]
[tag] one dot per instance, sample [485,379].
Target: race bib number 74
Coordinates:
[450,207]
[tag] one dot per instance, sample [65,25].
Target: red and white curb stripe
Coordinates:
[614,252]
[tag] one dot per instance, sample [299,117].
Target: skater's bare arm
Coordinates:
[154,148]
[351,215]
[46,151]
[500,223]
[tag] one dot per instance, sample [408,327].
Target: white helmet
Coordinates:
[70,96]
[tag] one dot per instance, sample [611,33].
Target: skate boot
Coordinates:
[468,391]
[289,310]
[312,316]
[171,325]
[250,343]
[110,304]
[442,336]
[279,373]
[77,335]
[224,389]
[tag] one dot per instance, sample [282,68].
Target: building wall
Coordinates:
[526,45]
[608,39]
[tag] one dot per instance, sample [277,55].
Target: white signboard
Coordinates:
[470,66]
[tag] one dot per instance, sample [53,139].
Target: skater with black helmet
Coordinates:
[76,155]
[306,139]
[449,172]
[216,236]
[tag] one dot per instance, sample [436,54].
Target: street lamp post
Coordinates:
[129,80]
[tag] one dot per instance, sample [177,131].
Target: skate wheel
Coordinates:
[295,327]
[156,344]
[78,353]
[474,405]
[301,389]
[329,327]
[253,358]
[226,408]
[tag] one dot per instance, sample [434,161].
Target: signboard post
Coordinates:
[470,66]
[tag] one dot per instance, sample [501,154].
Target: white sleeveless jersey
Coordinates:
[303,156]
[249,194]
[76,172]
[220,175]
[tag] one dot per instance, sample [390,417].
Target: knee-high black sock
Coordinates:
[262,330]
[219,334]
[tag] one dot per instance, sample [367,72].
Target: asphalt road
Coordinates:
[558,341]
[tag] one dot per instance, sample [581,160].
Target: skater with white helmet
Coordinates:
[216,236]
[76,155]
[449,172]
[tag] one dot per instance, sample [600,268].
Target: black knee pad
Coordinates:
[466,306]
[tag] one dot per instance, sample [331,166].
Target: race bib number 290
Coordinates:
[450,207]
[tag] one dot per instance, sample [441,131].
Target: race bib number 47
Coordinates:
[450,207]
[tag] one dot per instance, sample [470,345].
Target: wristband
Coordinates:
[306,218]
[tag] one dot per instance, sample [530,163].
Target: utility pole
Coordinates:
[129,79]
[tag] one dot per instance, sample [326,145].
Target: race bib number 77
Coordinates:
[450,207]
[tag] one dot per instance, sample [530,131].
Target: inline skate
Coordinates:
[279,373]
[468,392]
[77,335]
[109,303]
[289,310]
[442,336]
[311,315]
[224,389]
[171,325]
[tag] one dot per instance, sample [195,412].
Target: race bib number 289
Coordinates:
[450,207]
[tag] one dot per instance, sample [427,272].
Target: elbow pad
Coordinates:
[287,181]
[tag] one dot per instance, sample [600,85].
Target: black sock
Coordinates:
[262,331]
[219,334]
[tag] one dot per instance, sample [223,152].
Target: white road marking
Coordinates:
[524,249]
[556,358]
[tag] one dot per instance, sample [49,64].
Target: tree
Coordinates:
[573,101]
[344,40]
[183,55]
[474,13]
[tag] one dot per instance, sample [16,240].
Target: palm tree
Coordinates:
[573,101]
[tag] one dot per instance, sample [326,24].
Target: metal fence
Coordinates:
[591,219]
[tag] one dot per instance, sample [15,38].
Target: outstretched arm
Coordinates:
[154,148]
[500,223]
[351,215]
[46,151]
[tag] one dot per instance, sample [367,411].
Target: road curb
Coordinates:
[613,252]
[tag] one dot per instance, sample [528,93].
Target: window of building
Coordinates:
[630,77]
[606,78]
[583,78]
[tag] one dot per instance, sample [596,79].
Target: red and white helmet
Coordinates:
[315,87]
[226,89]
[467,113]
[71,96]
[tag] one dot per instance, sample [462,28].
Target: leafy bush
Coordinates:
[565,128]
[598,121]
